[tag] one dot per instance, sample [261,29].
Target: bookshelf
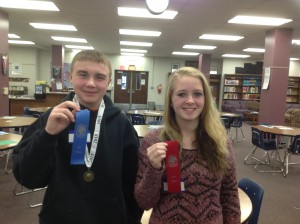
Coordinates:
[242,87]
[293,90]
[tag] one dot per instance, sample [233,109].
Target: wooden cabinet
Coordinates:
[16,105]
[293,91]
[242,87]
[214,83]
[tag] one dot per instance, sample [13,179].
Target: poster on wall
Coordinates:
[5,64]
[56,72]
[16,69]
[66,76]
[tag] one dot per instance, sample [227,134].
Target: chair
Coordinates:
[237,123]
[293,149]
[226,123]
[268,143]
[23,190]
[255,193]
[137,119]
[155,122]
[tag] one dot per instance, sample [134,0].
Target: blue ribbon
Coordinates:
[80,137]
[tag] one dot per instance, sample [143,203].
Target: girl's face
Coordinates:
[188,99]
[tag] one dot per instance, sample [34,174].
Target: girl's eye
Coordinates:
[198,94]
[181,94]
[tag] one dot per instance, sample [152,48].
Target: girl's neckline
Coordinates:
[189,149]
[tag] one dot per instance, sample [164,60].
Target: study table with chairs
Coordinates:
[9,140]
[271,139]
[232,120]
[140,116]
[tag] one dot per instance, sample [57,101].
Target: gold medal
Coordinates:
[88,176]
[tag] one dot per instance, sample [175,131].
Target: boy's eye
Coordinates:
[82,74]
[100,77]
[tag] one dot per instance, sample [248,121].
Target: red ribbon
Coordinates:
[173,166]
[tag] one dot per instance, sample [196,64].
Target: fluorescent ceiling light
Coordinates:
[199,47]
[132,54]
[79,47]
[140,32]
[139,12]
[297,42]
[69,39]
[133,50]
[294,59]
[13,36]
[185,53]
[132,43]
[157,6]
[258,50]
[49,26]
[220,37]
[35,5]
[259,20]
[21,42]
[235,56]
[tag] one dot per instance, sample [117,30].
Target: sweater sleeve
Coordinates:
[229,192]
[129,170]
[149,180]
[33,157]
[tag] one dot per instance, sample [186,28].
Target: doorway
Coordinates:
[131,87]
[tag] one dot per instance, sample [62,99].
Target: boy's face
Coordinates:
[90,81]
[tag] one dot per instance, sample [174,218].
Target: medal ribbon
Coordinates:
[89,156]
[173,166]
[80,137]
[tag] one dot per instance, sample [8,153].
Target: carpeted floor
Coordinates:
[278,207]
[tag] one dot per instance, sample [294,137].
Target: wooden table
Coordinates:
[144,129]
[279,130]
[229,115]
[245,203]
[9,140]
[16,121]
[39,109]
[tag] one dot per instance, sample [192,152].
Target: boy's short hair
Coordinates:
[91,55]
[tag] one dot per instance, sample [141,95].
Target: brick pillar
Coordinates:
[57,69]
[4,24]
[204,64]
[278,43]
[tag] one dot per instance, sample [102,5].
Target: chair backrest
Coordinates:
[137,119]
[226,122]
[263,140]
[155,122]
[295,147]
[27,112]
[256,136]
[237,122]
[255,192]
